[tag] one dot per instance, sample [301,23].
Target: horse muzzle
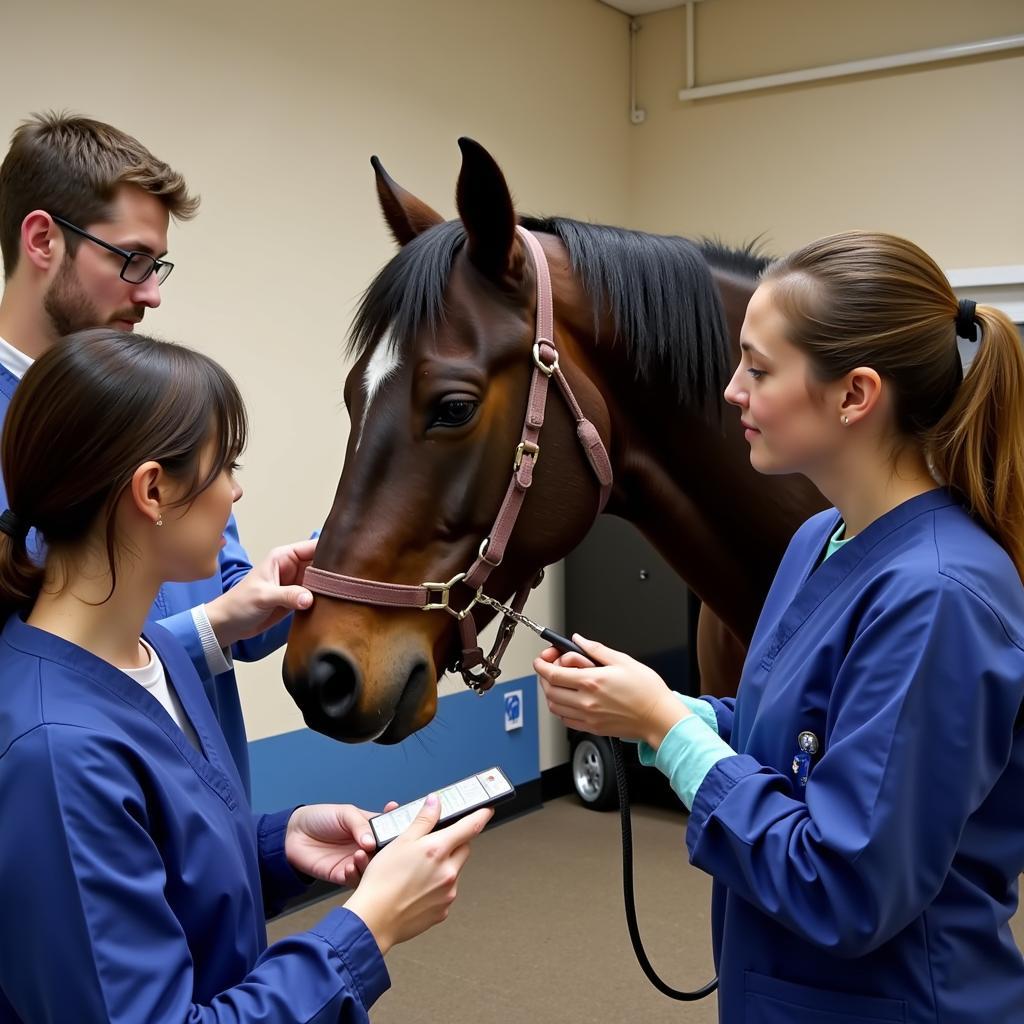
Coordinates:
[357,693]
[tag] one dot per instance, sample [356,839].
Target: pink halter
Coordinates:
[436,596]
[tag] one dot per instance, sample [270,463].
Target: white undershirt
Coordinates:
[14,360]
[154,679]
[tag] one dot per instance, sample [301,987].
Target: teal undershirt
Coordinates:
[692,747]
[836,541]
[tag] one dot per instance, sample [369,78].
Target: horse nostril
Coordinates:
[335,684]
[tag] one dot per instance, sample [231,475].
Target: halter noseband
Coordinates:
[480,672]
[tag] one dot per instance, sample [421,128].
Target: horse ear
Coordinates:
[485,206]
[406,215]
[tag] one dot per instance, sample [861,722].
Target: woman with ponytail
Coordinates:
[859,804]
[134,878]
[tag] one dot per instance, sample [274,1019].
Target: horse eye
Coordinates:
[454,412]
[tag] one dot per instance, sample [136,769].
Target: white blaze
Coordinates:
[383,363]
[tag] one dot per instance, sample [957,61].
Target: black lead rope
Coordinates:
[627,891]
[565,645]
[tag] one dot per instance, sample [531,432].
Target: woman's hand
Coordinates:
[268,593]
[409,886]
[332,842]
[612,695]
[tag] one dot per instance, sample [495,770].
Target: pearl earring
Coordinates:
[846,421]
[160,520]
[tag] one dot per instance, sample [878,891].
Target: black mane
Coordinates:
[657,290]
[408,293]
[746,261]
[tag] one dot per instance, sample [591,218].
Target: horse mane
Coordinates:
[662,301]
[746,261]
[408,292]
[657,289]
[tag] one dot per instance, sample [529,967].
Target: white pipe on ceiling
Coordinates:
[853,67]
[691,59]
[637,115]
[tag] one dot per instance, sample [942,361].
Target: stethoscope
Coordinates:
[565,646]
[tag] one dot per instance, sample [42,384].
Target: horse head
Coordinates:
[437,397]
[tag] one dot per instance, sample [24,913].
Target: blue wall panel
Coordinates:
[468,735]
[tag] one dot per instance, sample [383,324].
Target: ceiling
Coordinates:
[635,7]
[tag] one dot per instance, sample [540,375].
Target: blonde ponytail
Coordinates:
[978,445]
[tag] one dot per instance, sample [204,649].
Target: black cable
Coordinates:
[627,890]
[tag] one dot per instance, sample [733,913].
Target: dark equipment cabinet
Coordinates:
[620,591]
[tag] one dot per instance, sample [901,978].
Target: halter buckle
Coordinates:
[480,680]
[526,448]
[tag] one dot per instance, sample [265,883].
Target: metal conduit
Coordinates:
[853,67]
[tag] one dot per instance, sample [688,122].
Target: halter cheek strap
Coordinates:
[479,671]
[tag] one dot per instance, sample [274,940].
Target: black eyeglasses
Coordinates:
[138,266]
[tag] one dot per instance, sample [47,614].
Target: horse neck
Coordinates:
[687,484]
[688,487]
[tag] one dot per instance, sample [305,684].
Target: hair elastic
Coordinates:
[12,525]
[966,321]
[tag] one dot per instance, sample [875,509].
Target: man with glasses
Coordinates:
[84,212]
[137,266]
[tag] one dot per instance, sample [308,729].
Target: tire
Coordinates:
[593,773]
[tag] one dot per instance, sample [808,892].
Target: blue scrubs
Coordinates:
[173,610]
[134,878]
[881,889]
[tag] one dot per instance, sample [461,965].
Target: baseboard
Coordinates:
[556,782]
[529,797]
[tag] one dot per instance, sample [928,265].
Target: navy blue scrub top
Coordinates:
[882,889]
[134,878]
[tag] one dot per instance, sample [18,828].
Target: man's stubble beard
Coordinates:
[66,303]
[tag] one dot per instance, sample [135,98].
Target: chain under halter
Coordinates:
[479,671]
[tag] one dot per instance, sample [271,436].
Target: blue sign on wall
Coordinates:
[513,710]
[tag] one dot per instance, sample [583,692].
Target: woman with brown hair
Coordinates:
[134,878]
[859,803]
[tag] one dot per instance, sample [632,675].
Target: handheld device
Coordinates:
[484,789]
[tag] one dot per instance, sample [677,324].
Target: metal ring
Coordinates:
[546,368]
[482,552]
[469,607]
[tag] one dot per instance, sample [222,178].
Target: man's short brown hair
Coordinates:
[71,166]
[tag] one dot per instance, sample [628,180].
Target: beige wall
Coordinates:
[272,111]
[934,153]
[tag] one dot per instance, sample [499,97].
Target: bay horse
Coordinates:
[646,331]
